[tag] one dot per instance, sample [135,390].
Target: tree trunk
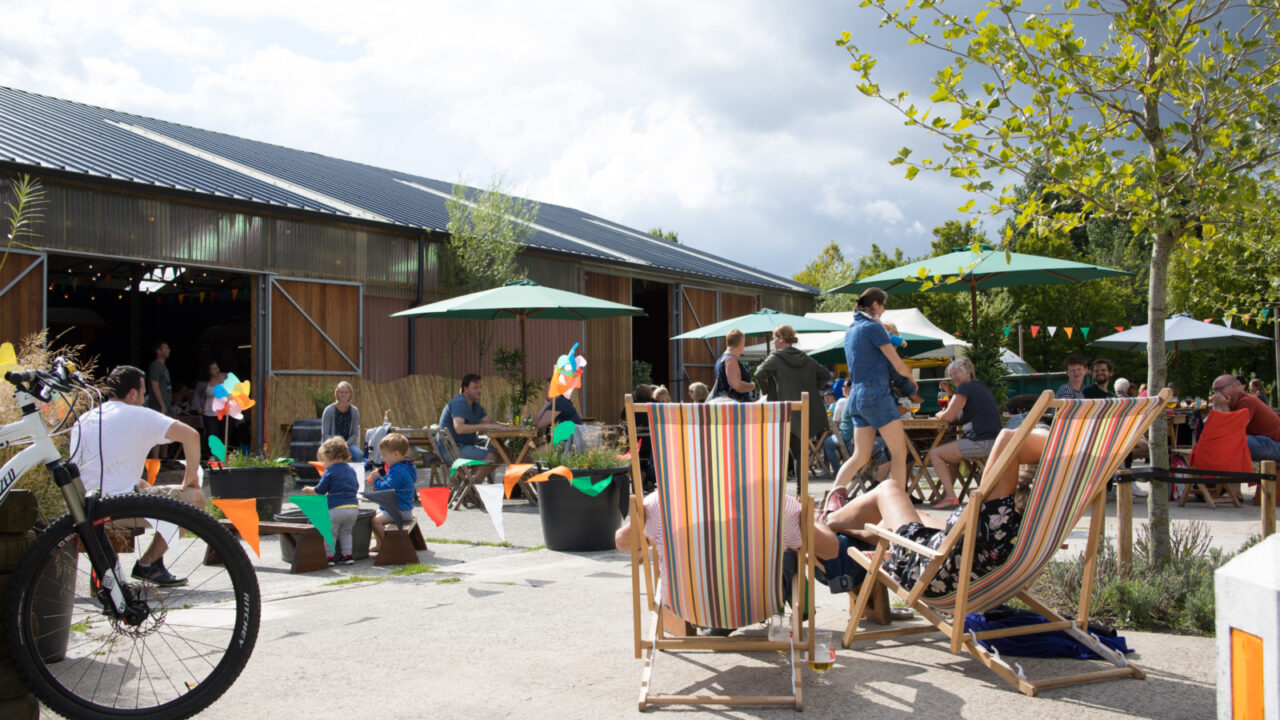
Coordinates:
[1158,500]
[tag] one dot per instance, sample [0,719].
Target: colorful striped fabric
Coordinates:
[722,471]
[1087,443]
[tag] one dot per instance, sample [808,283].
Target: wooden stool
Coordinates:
[400,546]
[304,539]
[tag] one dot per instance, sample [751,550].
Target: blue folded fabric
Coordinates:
[1051,644]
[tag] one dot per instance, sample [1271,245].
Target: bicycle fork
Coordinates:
[117,598]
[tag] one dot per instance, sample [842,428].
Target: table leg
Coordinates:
[1124,518]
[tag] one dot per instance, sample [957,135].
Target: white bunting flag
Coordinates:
[491,496]
[1052,329]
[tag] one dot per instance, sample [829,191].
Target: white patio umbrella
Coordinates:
[1183,332]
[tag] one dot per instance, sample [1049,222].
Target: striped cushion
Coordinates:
[1087,443]
[721,470]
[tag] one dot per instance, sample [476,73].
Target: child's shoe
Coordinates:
[333,560]
[348,560]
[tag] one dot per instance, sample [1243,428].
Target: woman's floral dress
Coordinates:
[998,524]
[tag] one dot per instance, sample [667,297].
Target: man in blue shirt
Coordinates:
[464,416]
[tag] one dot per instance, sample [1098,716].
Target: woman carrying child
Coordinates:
[340,484]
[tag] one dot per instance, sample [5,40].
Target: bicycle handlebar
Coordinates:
[63,377]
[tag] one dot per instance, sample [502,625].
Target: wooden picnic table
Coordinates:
[506,443]
[929,430]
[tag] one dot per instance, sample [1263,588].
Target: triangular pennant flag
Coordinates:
[1007,330]
[1245,318]
[153,469]
[243,514]
[1208,320]
[593,489]
[217,448]
[1265,313]
[1120,328]
[435,503]
[1085,332]
[513,475]
[491,496]
[1068,330]
[1034,330]
[563,432]
[561,470]
[1053,329]
[462,461]
[316,508]
[319,466]
[1228,320]
[389,502]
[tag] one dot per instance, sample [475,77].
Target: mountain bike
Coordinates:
[91,639]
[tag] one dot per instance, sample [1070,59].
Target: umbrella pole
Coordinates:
[524,376]
[973,303]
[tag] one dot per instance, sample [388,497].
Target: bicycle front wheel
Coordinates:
[194,640]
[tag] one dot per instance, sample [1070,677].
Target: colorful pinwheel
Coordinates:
[567,375]
[232,397]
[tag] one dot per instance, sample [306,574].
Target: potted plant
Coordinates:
[573,520]
[251,476]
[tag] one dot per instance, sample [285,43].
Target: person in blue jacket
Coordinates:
[340,484]
[398,474]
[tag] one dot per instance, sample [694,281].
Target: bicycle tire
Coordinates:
[157,669]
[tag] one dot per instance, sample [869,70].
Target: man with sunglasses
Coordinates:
[1263,430]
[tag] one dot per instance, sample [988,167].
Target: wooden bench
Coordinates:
[304,539]
[401,546]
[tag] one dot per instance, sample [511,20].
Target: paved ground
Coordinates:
[521,631]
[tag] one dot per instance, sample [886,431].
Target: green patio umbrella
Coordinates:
[833,352]
[522,299]
[972,271]
[759,322]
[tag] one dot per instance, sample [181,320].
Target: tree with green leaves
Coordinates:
[668,235]
[487,230]
[1162,115]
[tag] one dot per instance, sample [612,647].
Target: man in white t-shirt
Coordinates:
[110,445]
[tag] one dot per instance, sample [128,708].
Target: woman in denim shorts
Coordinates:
[871,406]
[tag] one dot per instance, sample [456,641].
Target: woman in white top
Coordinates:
[203,398]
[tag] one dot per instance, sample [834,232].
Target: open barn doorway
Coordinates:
[649,333]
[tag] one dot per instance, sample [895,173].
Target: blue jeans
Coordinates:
[831,451]
[1262,447]
[357,455]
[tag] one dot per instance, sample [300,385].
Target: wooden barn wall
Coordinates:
[296,344]
[22,306]
[698,307]
[608,349]
[386,339]
[787,302]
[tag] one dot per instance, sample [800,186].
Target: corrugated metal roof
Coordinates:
[47,132]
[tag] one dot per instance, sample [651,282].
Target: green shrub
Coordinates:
[1177,597]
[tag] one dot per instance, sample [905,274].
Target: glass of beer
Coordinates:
[1172,402]
[779,632]
[824,656]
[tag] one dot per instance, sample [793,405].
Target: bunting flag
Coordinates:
[1035,329]
[1085,332]
[435,503]
[1119,328]
[1068,330]
[217,448]
[491,496]
[589,488]
[1053,329]
[1245,318]
[319,466]
[153,469]
[1208,320]
[1228,319]
[563,432]
[243,514]
[1007,330]
[316,508]
[560,471]
[461,462]
[1265,313]
[513,475]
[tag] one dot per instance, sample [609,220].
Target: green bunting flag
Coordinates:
[316,508]
[563,432]
[1084,331]
[590,488]
[462,461]
[1007,330]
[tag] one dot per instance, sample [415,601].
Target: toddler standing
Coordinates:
[340,484]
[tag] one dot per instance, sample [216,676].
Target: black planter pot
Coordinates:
[573,521]
[266,484]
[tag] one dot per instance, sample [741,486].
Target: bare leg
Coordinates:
[896,438]
[887,503]
[379,531]
[863,438]
[944,459]
[1029,452]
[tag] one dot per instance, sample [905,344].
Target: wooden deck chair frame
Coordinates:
[1141,411]
[462,484]
[645,564]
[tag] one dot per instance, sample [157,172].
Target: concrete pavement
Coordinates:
[521,631]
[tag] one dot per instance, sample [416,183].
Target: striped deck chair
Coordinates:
[1088,441]
[721,473]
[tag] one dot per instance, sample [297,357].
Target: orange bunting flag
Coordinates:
[1120,328]
[243,514]
[319,466]
[513,475]
[1068,330]
[153,469]
[1035,330]
[435,503]
[560,470]
[625,457]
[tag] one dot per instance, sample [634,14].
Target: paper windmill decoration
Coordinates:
[567,375]
[232,397]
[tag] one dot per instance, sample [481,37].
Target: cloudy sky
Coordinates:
[735,123]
